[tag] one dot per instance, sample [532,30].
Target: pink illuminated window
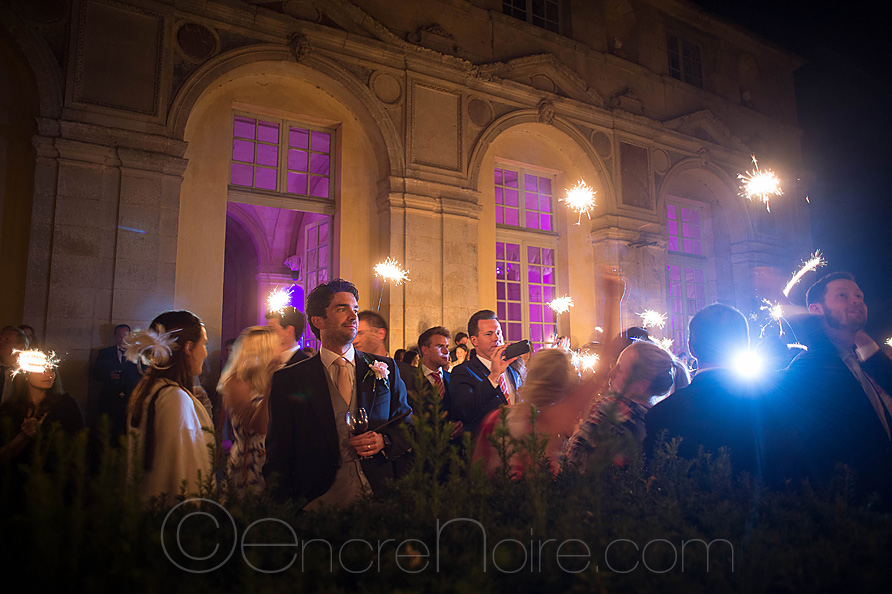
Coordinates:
[687,296]
[683,230]
[281,156]
[317,263]
[526,281]
[524,199]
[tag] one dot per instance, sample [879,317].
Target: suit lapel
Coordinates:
[320,400]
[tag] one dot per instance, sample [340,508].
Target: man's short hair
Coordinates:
[483,314]
[818,291]
[290,316]
[425,339]
[374,319]
[460,336]
[320,298]
[129,329]
[717,333]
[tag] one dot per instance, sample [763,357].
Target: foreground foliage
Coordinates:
[670,524]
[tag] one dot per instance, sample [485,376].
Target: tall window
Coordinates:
[526,273]
[541,13]
[686,273]
[317,245]
[685,61]
[281,156]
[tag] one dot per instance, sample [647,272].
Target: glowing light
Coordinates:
[760,184]
[748,364]
[581,199]
[561,304]
[776,313]
[599,329]
[653,319]
[35,361]
[278,300]
[889,342]
[390,270]
[664,343]
[812,264]
[584,361]
[801,347]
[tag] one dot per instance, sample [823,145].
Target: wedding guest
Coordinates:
[174,432]
[244,385]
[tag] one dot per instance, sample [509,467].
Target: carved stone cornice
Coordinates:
[118,137]
[704,121]
[548,65]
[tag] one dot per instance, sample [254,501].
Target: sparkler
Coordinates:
[561,304]
[889,342]
[581,199]
[760,184]
[584,361]
[35,361]
[812,264]
[390,270]
[802,347]
[278,300]
[776,313]
[651,319]
[664,343]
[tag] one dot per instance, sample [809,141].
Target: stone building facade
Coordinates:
[194,154]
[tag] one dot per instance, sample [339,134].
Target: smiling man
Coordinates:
[310,452]
[840,390]
[485,380]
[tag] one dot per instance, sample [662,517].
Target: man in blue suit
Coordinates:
[434,345]
[485,380]
[310,452]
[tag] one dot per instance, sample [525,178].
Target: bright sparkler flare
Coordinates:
[561,304]
[35,361]
[584,361]
[776,313]
[390,270]
[278,300]
[664,343]
[812,264]
[889,342]
[801,347]
[760,184]
[581,199]
[651,319]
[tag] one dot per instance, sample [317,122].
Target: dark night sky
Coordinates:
[844,111]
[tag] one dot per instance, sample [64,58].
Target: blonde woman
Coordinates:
[551,380]
[244,385]
[173,430]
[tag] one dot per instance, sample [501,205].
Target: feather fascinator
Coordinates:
[151,347]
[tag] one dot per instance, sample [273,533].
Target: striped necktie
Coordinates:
[438,383]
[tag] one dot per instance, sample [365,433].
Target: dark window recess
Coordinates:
[541,13]
[685,61]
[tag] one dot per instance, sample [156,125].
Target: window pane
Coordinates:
[533,255]
[513,272]
[544,204]
[510,178]
[514,311]
[512,252]
[531,201]
[499,195]
[535,313]
[673,244]
[265,178]
[530,183]
[535,293]
[299,138]
[323,275]
[548,275]
[511,198]
[297,160]
[318,186]
[500,250]
[535,274]
[514,291]
[498,177]
[268,132]
[545,222]
[267,155]
[321,142]
[500,311]
[535,333]
[545,185]
[500,215]
[243,151]
[548,256]
[243,127]
[312,237]
[323,256]
[297,183]
[319,164]
[323,233]
[670,211]
[512,217]
[547,294]
[500,291]
[515,332]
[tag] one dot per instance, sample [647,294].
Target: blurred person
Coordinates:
[244,386]
[551,379]
[723,406]
[485,380]
[289,324]
[642,371]
[172,429]
[461,355]
[461,340]
[30,335]
[117,377]
[372,334]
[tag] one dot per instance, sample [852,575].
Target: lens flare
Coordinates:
[653,319]
[748,364]
[278,300]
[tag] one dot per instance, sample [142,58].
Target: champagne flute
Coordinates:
[358,421]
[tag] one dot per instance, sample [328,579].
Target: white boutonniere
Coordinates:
[380,371]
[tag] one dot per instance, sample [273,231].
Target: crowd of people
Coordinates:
[325,427]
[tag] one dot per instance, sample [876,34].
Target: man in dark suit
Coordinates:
[310,453]
[118,377]
[839,392]
[434,345]
[485,380]
[722,407]
[289,323]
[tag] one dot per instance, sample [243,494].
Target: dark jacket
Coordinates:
[473,395]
